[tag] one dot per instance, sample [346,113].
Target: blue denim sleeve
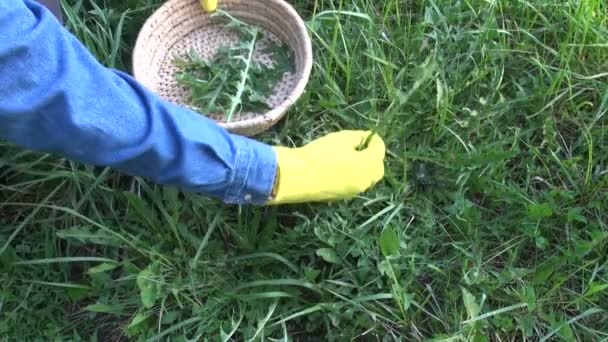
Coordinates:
[57,98]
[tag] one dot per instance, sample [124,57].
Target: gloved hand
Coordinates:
[329,168]
[209,5]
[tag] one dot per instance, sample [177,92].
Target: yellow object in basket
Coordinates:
[209,5]
[329,168]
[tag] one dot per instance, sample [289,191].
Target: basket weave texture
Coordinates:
[181,25]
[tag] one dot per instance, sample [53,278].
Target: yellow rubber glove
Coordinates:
[329,168]
[209,5]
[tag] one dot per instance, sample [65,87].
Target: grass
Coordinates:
[490,224]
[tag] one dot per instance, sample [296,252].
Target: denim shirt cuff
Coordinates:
[254,173]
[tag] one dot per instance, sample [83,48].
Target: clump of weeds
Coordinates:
[234,80]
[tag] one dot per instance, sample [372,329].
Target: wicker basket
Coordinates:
[180,25]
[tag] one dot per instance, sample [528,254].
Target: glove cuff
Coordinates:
[289,164]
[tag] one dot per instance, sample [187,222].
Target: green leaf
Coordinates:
[480,338]
[504,323]
[470,303]
[389,242]
[530,297]
[149,289]
[105,308]
[88,235]
[169,317]
[575,214]
[329,255]
[563,330]
[384,267]
[547,269]
[104,267]
[77,293]
[539,211]
[311,273]
[595,288]
[138,319]
[406,300]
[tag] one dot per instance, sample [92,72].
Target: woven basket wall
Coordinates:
[180,25]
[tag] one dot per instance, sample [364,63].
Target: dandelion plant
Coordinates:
[234,80]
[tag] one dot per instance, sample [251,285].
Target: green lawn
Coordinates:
[490,225]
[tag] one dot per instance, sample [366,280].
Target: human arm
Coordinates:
[57,98]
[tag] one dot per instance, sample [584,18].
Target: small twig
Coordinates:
[365,143]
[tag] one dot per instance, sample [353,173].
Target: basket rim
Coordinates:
[267,119]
